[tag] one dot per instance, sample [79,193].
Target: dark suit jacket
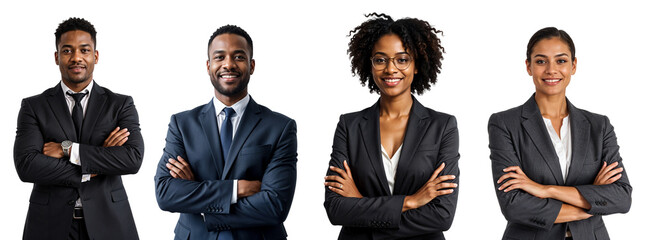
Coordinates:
[431,138]
[518,137]
[263,148]
[57,183]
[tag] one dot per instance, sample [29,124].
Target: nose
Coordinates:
[551,68]
[390,66]
[77,56]
[229,64]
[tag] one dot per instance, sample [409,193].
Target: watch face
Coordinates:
[67,144]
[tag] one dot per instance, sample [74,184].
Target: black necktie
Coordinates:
[77,113]
[226,132]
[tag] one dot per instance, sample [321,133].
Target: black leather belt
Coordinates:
[77,213]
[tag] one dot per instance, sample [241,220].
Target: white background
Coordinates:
[156,52]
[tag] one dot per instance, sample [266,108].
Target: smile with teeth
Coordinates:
[228,76]
[551,80]
[392,80]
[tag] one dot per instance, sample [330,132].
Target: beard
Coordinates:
[230,92]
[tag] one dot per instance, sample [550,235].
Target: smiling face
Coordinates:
[230,66]
[390,80]
[551,66]
[76,57]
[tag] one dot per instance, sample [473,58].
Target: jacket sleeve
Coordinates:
[118,160]
[270,206]
[184,196]
[31,164]
[517,206]
[438,214]
[371,212]
[609,198]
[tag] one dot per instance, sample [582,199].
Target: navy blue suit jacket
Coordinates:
[263,148]
[518,137]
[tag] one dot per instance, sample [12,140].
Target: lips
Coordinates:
[77,68]
[552,81]
[391,82]
[229,76]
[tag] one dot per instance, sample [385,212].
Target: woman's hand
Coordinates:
[435,186]
[608,174]
[517,179]
[343,184]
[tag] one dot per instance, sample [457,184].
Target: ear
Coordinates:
[528,68]
[96,56]
[57,62]
[573,66]
[208,68]
[252,66]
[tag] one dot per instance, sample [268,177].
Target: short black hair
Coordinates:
[418,37]
[72,24]
[234,30]
[550,32]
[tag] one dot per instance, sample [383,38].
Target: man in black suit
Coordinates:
[73,143]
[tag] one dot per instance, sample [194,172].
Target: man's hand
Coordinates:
[179,168]
[247,188]
[53,149]
[117,137]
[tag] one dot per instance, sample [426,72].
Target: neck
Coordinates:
[77,87]
[395,106]
[230,100]
[553,106]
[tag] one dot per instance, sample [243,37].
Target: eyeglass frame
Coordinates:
[392,59]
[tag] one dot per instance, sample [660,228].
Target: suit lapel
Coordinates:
[251,117]
[416,127]
[95,105]
[209,125]
[534,125]
[580,139]
[369,131]
[58,105]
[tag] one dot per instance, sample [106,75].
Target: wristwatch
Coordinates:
[66,147]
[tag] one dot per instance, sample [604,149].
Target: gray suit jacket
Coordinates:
[518,137]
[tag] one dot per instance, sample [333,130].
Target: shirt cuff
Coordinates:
[234,192]
[74,155]
[86,177]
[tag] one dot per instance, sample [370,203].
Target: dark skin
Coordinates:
[394,106]
[76,56]
[116,138]
[229,65]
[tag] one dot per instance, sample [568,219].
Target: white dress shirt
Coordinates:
[561,144]
[390,165]
[74,155]
[239,108]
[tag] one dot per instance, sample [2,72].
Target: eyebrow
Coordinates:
[235,51]
[382,53]
[558,55]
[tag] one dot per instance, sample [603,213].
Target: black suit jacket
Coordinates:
[431,138]
[263,148]
[518,137]
[57,183]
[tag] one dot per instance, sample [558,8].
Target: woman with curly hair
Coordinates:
[394,167]
[556,168]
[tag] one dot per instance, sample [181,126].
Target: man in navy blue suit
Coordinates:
[228,166]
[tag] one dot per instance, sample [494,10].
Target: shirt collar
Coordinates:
[66,89]
[239,107]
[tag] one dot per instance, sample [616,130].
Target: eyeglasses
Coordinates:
[402,61]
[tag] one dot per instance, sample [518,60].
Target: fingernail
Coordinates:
[452,176]
[451,190]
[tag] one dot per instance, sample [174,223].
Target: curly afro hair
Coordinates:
[418,37]
[72,24]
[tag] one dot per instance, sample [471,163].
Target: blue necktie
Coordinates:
[226,132]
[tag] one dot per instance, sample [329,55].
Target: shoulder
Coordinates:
[192,113]
[594,118]
[273,117]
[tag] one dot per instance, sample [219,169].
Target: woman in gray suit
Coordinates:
[394,168]
[556,168]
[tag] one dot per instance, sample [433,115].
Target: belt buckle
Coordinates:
[77,213]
